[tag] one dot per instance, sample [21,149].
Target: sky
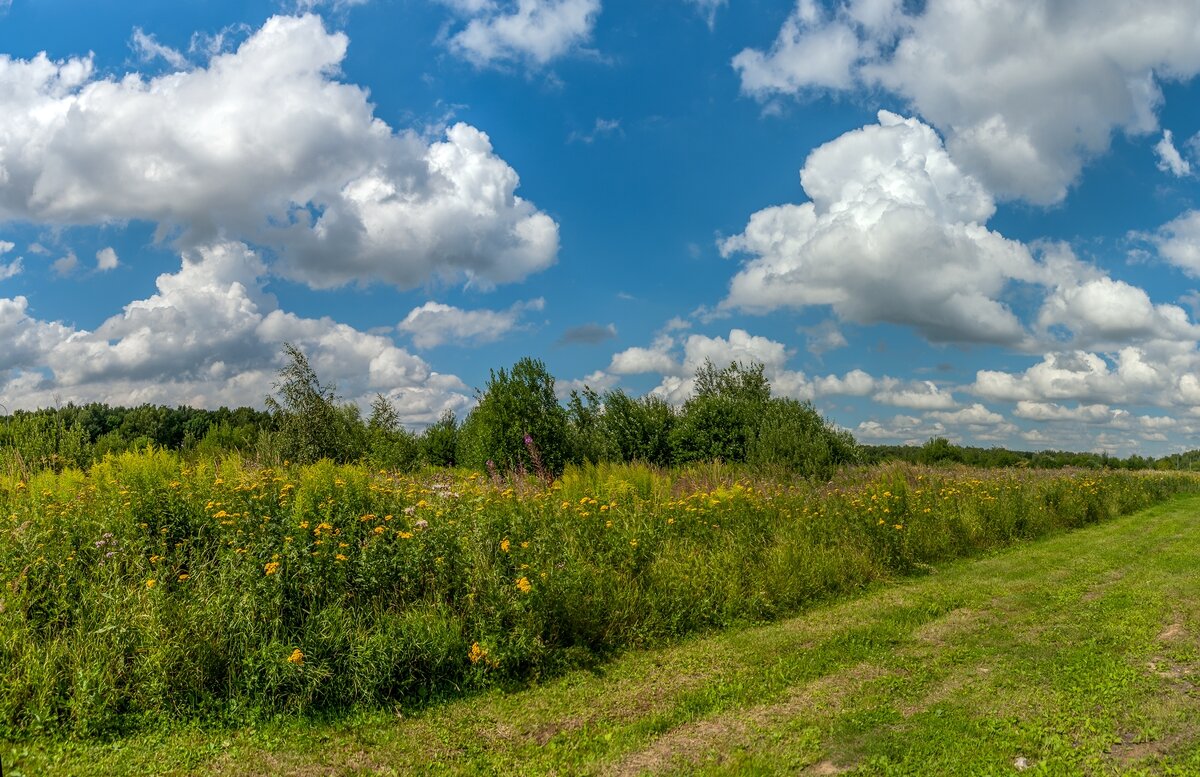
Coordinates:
[973,219]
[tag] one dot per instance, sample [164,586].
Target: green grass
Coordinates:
[1079,653]
[150,589]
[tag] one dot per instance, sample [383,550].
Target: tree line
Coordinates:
[517,425]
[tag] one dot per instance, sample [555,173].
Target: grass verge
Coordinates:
[1076,654]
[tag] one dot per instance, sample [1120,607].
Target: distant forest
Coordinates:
[518,424]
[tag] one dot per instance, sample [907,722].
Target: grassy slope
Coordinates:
[1080,654]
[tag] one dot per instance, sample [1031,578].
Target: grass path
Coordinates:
[1079,654]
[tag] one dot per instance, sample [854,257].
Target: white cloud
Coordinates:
[678,370]
[1024,92]
[599,381]
[1103,310]
[893,234]
[920,396]
[708,9]
[974,416]
[1179,242]
[815,48]
[655,359]
[264,145]
[65,265]
[210,336]
[1169,159]
[148,48]
[1131,376]
[1050,411]
[10,269]
[434,323]
[855,383]
[533,32]
[906,429]
[106,259]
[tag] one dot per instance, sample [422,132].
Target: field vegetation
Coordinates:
[313,563]
[151,588]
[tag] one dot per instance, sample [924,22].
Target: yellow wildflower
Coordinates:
[477,654]
[524,586]
[505,544]
[296,658]
[151,583]
[340,557]
[272,567]
[184,576]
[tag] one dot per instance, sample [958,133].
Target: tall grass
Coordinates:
[149,588]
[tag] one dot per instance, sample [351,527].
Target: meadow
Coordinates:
[153,588]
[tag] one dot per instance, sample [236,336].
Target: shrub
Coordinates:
[518,424]
[311,425]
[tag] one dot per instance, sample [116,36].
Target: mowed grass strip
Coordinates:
[1078,654]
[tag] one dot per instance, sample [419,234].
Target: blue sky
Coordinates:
[968,219]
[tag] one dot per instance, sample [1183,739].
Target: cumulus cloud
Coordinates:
[974,416]
[855,383]
[921,396]
[905,429]
[1129,376]
[266,146]
[1103,310]
[434,323]
[1179,242]
[106,259]
[655,359]
[598,381]
[893,233]
[210,336]
[1024,92]
[65,265]
[1169,158]
[532,32]
[678,360]
[1050,411]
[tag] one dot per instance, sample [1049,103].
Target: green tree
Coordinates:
[587,437]
[639,429]
[311,425]
[518,422]
[791,434]
[439,443]
[719,420]
[389,444]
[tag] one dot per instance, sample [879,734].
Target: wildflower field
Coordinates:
[151,588]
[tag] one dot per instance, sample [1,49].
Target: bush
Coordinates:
[311,425]
[439,443]
[518,424]
[792,435]
[639,429]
